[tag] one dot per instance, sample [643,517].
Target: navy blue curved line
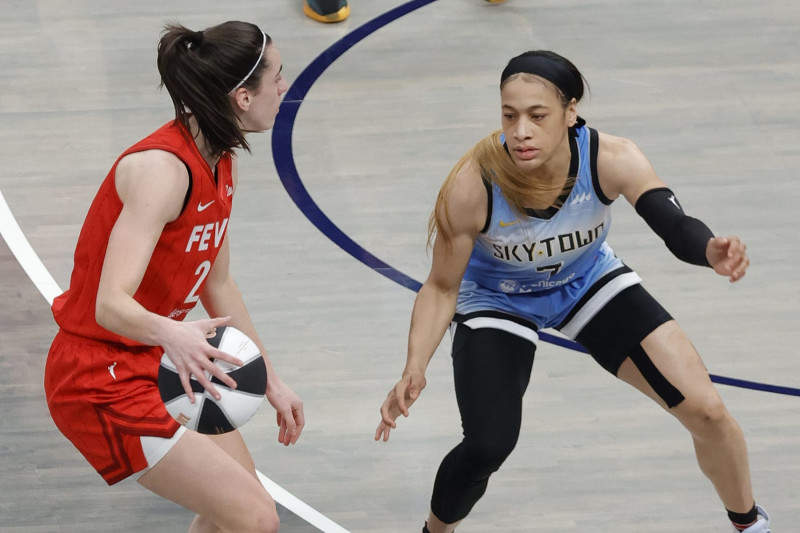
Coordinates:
[287,171]
[282,142]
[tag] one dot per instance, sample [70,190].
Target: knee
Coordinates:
[488,454]
[269,523]
[267,520]
[263,523]
[260,517]
[709,417]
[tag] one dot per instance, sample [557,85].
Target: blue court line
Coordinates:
[287,171]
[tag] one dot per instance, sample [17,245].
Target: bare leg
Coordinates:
[718,440]
[200,475]
[437,526]
[234,445]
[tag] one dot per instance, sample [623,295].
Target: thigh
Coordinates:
[234,445]
[201,476]
[491,371]
[676,359]
[619,326]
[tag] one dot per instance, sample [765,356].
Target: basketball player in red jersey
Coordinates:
[154,244]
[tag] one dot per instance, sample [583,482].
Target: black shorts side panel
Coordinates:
[615,331]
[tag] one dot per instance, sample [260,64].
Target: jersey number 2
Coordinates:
[202,272]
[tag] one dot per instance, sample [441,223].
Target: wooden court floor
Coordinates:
[709,90]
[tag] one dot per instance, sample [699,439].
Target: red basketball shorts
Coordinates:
[104,398]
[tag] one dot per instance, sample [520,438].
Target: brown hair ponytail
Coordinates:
[199,69]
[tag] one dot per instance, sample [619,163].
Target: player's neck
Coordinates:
[200,142]
[551,178]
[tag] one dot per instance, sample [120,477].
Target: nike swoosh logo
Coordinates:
[201,207]
[507,224]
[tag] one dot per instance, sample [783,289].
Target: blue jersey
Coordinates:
[538,265]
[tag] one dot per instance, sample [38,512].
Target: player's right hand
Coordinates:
[400,398]
[186,345]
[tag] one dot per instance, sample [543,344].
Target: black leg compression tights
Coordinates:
[491,371]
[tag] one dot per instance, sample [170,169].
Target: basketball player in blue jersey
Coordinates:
[521,225]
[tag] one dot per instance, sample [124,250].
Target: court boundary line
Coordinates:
[47,286]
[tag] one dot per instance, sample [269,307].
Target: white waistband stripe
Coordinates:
[596,302]
[505,325]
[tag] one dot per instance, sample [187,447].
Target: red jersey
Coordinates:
[183,256]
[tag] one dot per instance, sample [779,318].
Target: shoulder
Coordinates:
[158,172]
[620,162]
[148,161]
[614,150]
[468,186]
[463,200]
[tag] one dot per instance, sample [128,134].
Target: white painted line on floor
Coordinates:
[46,284]
[298,507]
[25,255]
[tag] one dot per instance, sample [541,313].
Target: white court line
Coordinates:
[46,284]
[25,255]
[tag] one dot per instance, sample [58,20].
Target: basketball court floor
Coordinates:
[328,244]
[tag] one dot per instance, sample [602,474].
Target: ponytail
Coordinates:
[200,68]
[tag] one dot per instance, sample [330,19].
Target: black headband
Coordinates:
[549,68]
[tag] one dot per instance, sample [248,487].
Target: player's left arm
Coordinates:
[624,170]
[221,297]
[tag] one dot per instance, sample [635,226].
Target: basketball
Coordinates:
[236,406]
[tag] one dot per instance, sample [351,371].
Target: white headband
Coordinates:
[258,62]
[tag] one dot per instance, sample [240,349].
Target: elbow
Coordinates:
[443,293]
[102,312]
[104,309]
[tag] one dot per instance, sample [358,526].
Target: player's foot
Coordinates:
[495,1]
[326,10]
[761,526]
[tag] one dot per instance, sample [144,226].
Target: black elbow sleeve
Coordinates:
[685,236]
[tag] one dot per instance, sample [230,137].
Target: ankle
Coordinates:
[742,521]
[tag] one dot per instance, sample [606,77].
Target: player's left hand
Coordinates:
[727,257]
[289,409]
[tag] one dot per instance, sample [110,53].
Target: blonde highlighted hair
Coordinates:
[489,155]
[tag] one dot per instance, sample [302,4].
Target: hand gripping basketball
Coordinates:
[240,378]
[186,346]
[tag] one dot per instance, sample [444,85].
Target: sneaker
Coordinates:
[326,10]
[495,1]
[761,526]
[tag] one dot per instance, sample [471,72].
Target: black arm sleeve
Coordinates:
[686,237]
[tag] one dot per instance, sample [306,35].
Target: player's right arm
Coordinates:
[466,206]
[152,186]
